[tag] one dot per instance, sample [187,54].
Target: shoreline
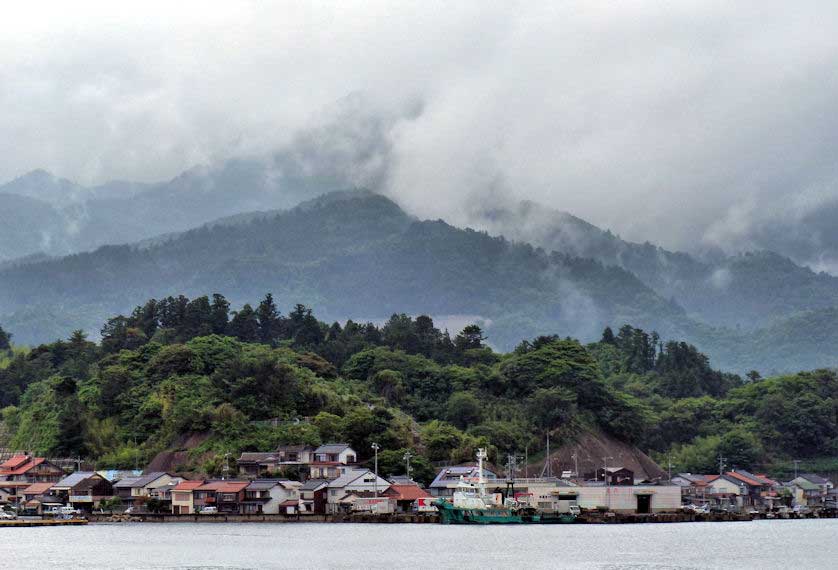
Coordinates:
[593,518]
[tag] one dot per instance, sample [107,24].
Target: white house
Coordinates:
[351,484]
[272,496]
[725,490]
[328,460]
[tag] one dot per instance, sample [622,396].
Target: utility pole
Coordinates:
[607,480]
[796,467]
[722,464]
[549,465]
[575,458]
[376,447]
[669,466]
[407,456]
[226,471]
[526,461]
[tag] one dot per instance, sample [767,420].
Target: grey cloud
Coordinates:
[693,125]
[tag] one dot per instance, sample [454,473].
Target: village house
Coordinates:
[351,485]
[313,496]
[227,496]
[39,497]
[11,492]
[29,469]
[448,478]
[693,488]
[284,459]
[136,491]
[759,489]
[405,495]
[329,460]
[182,497]
[253,464]
[83,489]
[272,496]
[810,490]
[724,491]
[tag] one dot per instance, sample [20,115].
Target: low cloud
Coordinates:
[693,125]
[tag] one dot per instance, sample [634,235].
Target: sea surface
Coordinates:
[759,544]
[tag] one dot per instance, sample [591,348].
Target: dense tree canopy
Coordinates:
[253,378]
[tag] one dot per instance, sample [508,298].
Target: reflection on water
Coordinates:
[759,544]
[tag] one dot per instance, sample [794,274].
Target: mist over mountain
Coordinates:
[747,290]
[352,255]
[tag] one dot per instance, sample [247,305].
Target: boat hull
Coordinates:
[449,514]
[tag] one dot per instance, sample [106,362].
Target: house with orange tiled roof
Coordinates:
[405,496]
[183,501]
[225,495]
[38,497]
[760,490]
[29,469]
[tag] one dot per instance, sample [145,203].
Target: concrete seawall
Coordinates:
[234,518]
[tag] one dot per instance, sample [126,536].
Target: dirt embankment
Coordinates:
[590,448]
[175,459]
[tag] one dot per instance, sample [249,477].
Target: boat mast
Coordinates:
[481,455]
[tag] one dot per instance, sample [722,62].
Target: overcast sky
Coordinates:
[677,122]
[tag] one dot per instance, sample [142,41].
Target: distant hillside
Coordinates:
[29,226]
[352,255]
[748,291]
[77,218]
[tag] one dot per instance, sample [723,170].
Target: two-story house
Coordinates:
[183,497]
[329,459]
[271,496]
[137,491]
[313,495]
[29,469]
[84,489]
[227,496]
[351,484]
[283,459]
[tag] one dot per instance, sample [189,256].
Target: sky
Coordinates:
[689,124]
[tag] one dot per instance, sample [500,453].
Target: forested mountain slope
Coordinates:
[351,254]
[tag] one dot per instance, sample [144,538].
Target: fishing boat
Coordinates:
[471,504]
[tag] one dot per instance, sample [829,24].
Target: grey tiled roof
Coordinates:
[313,484]
[258,456]
[74,479]
[332,448]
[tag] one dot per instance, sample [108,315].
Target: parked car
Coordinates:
[6,515]
[65,511]
[574,510]
[209,510]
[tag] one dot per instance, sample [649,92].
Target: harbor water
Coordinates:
[759,544]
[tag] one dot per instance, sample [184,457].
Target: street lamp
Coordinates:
[376,447]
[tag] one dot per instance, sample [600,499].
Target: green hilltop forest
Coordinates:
[178,370]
